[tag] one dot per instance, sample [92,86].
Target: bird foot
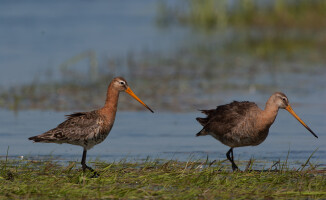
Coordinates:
[235,167]
[95,174]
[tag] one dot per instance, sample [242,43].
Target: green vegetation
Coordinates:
[230,48]
[160,179]
[270,30]
[276,14]
[188,79]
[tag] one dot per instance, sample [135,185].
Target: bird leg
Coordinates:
[84,166]
[230,158]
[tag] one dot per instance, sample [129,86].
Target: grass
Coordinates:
[247,40]
[157,179]
[192,78]
[276,14]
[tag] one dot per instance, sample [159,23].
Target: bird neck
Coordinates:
[111,103]
[270,112]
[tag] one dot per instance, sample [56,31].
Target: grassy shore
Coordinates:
[157,179]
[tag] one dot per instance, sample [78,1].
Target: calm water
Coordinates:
[137,135]
[40,35]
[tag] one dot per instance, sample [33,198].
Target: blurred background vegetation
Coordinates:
[245,47]
[267,29]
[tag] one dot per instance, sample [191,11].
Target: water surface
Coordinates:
[137,135]
[38,36]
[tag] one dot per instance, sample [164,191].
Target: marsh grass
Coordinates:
[190,79]
[246,40]
[210,14]
[162,179]
[270,29]
[281,39]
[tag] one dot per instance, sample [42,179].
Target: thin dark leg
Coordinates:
[228,155]
[84,166]
[230,158]
[83,162]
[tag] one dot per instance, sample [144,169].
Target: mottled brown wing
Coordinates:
[77,127]
[225,117]
[80,119]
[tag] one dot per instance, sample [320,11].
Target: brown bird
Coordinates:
[241,124]
[88,129]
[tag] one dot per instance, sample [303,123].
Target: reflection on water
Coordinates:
[186,71]
[137,135]
[179,70]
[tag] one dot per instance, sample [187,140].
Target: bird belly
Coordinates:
[90,142]
[233,139]
[97,137]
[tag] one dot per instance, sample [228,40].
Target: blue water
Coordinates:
[136,135]
[40,35]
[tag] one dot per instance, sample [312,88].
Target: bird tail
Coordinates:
[36,138]
[41,138]
[201,133]
[202,121]
[208,112]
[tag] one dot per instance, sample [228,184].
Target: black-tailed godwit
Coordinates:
[241,124]
[88,129]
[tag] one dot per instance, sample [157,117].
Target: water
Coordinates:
[38,36]
[136,135]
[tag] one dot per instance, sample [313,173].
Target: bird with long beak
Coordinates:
[241,124]
[88,129]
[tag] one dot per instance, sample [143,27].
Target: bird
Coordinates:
[240,124]
[87,129]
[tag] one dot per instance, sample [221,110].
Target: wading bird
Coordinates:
[87,129]
[241,124]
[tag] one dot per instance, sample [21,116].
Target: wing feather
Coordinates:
[77,127]
[225,117]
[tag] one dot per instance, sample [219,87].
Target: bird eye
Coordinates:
[122,83]
[284,99]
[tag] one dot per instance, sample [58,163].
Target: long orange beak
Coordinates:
[131,93]
[289,109]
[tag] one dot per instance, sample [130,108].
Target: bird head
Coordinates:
[122,86]
[281,100]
